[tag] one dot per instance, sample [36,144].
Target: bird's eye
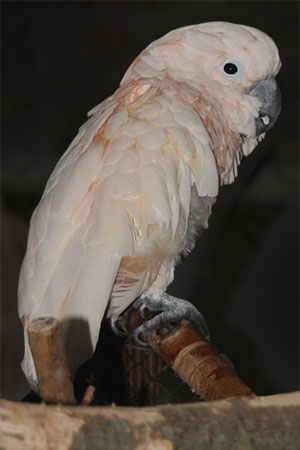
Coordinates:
[232,69]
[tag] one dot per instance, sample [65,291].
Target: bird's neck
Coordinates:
[226,144]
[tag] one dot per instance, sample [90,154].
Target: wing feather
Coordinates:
[119,192]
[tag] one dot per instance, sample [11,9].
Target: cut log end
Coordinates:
[43,324]
[50,361]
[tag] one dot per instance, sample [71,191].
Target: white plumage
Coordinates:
[125,199]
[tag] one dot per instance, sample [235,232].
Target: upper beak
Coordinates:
[267,91]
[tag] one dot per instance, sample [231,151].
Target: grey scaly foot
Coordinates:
[172,310]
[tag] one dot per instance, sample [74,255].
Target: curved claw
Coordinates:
[115,328]
[142,310]
[136,337]
[140,307]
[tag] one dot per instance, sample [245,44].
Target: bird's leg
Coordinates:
[171,310]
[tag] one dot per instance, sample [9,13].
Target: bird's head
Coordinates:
[235,64]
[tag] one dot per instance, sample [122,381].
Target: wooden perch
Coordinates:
[240,423]
[183,347]
[50,361]
[192,357]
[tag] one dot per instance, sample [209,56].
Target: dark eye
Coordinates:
[230,68]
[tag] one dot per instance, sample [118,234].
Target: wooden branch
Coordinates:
[183,347]
[50,361]
[192,357]
[248,423]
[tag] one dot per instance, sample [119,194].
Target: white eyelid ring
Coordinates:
[232,69]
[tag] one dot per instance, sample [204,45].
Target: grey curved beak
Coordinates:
[267,91]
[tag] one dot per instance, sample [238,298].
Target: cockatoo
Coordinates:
[124,202]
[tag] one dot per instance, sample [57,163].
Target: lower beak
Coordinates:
[267,91]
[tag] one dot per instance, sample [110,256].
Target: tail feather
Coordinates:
[80,312]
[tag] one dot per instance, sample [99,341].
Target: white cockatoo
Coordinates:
[125,200]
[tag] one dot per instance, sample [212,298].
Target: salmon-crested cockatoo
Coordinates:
[124,202]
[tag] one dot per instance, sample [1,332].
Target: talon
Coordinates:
[142,310]
[115,327]
[137,339]
[139,305]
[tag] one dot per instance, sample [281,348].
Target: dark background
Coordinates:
[59,59]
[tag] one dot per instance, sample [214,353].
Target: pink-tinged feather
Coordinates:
[126,198]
